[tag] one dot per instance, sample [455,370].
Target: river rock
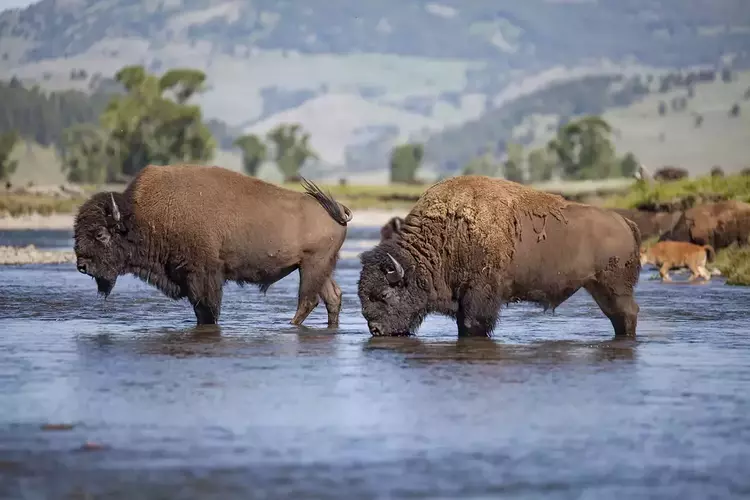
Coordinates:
[15,255]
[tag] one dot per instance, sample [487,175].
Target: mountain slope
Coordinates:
[440,63]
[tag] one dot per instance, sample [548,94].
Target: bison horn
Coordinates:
[115,210]
[397,274]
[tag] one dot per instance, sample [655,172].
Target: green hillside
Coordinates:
[391,71]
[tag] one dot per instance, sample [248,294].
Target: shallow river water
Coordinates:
[551,407]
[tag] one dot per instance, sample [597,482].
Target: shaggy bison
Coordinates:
[473,243]
[391,229]
[650,224]
[187,229]
[717,224]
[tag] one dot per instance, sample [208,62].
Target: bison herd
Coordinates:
[469,245]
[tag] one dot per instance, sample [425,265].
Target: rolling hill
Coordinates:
[364,75]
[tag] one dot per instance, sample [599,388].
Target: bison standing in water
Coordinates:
[187,229]
[473,243]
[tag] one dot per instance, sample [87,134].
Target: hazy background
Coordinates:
[464,79]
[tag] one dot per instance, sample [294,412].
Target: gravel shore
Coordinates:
[11,256]
[369,217]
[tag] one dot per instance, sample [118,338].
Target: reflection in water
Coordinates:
[551,407]
[485,349]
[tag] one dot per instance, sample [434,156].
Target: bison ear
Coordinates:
[103,235]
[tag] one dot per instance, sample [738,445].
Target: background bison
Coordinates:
[187,229]
[472,243]
[650,224]
[716,224]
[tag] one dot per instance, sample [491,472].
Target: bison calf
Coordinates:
[187,229]
[473,243]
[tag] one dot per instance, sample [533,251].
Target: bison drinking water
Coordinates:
[188,229]
[473,243]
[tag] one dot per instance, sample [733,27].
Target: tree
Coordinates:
[662,108]
[735,111]
[405,161]
[513,166]
[89,155]
[629,165]
[149,127]
[291,148]
[8,166]
[584,151]
[482,165]
[541,166]
[254,152]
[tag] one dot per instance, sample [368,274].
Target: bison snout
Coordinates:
[81,266]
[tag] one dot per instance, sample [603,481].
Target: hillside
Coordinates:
[408,65]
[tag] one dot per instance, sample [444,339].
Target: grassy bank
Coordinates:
[734,264]
[356,197]
[694,191]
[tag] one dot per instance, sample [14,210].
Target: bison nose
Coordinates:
[81,267]
[375,330]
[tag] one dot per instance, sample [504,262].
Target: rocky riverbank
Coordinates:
[11,256]
[367,217]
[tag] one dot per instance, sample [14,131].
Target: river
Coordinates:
[550,407]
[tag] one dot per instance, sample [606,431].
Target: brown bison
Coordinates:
[187,229]
[472,243]
[650,224]
[717,224]
[392,228]
[670,174]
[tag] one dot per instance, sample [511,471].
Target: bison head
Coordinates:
[99,234]
[394,293]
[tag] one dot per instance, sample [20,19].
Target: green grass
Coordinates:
[734,264]
[701,189]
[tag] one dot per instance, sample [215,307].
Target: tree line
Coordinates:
[582,149]
[110,137]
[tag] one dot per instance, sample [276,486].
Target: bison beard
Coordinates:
[187,229]
[472,243]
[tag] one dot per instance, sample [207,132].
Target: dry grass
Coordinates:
[25,204]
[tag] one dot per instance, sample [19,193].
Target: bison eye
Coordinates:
[384,295]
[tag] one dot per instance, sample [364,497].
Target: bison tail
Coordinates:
[635,230]
[710,253]
[336,210]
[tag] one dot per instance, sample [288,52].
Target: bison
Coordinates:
[188,229]
[392,228]
[472,243]
[669,174]
[717,224]
[650,224]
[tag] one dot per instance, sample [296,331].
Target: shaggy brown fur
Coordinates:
[667,255]
[392,228]
[716,224]
[650,224]
[472,243]
[187,229]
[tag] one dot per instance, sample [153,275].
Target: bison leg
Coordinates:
[313,274]
[618,305]
[664,272]
[477,313]
[331,295]
[205,294]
